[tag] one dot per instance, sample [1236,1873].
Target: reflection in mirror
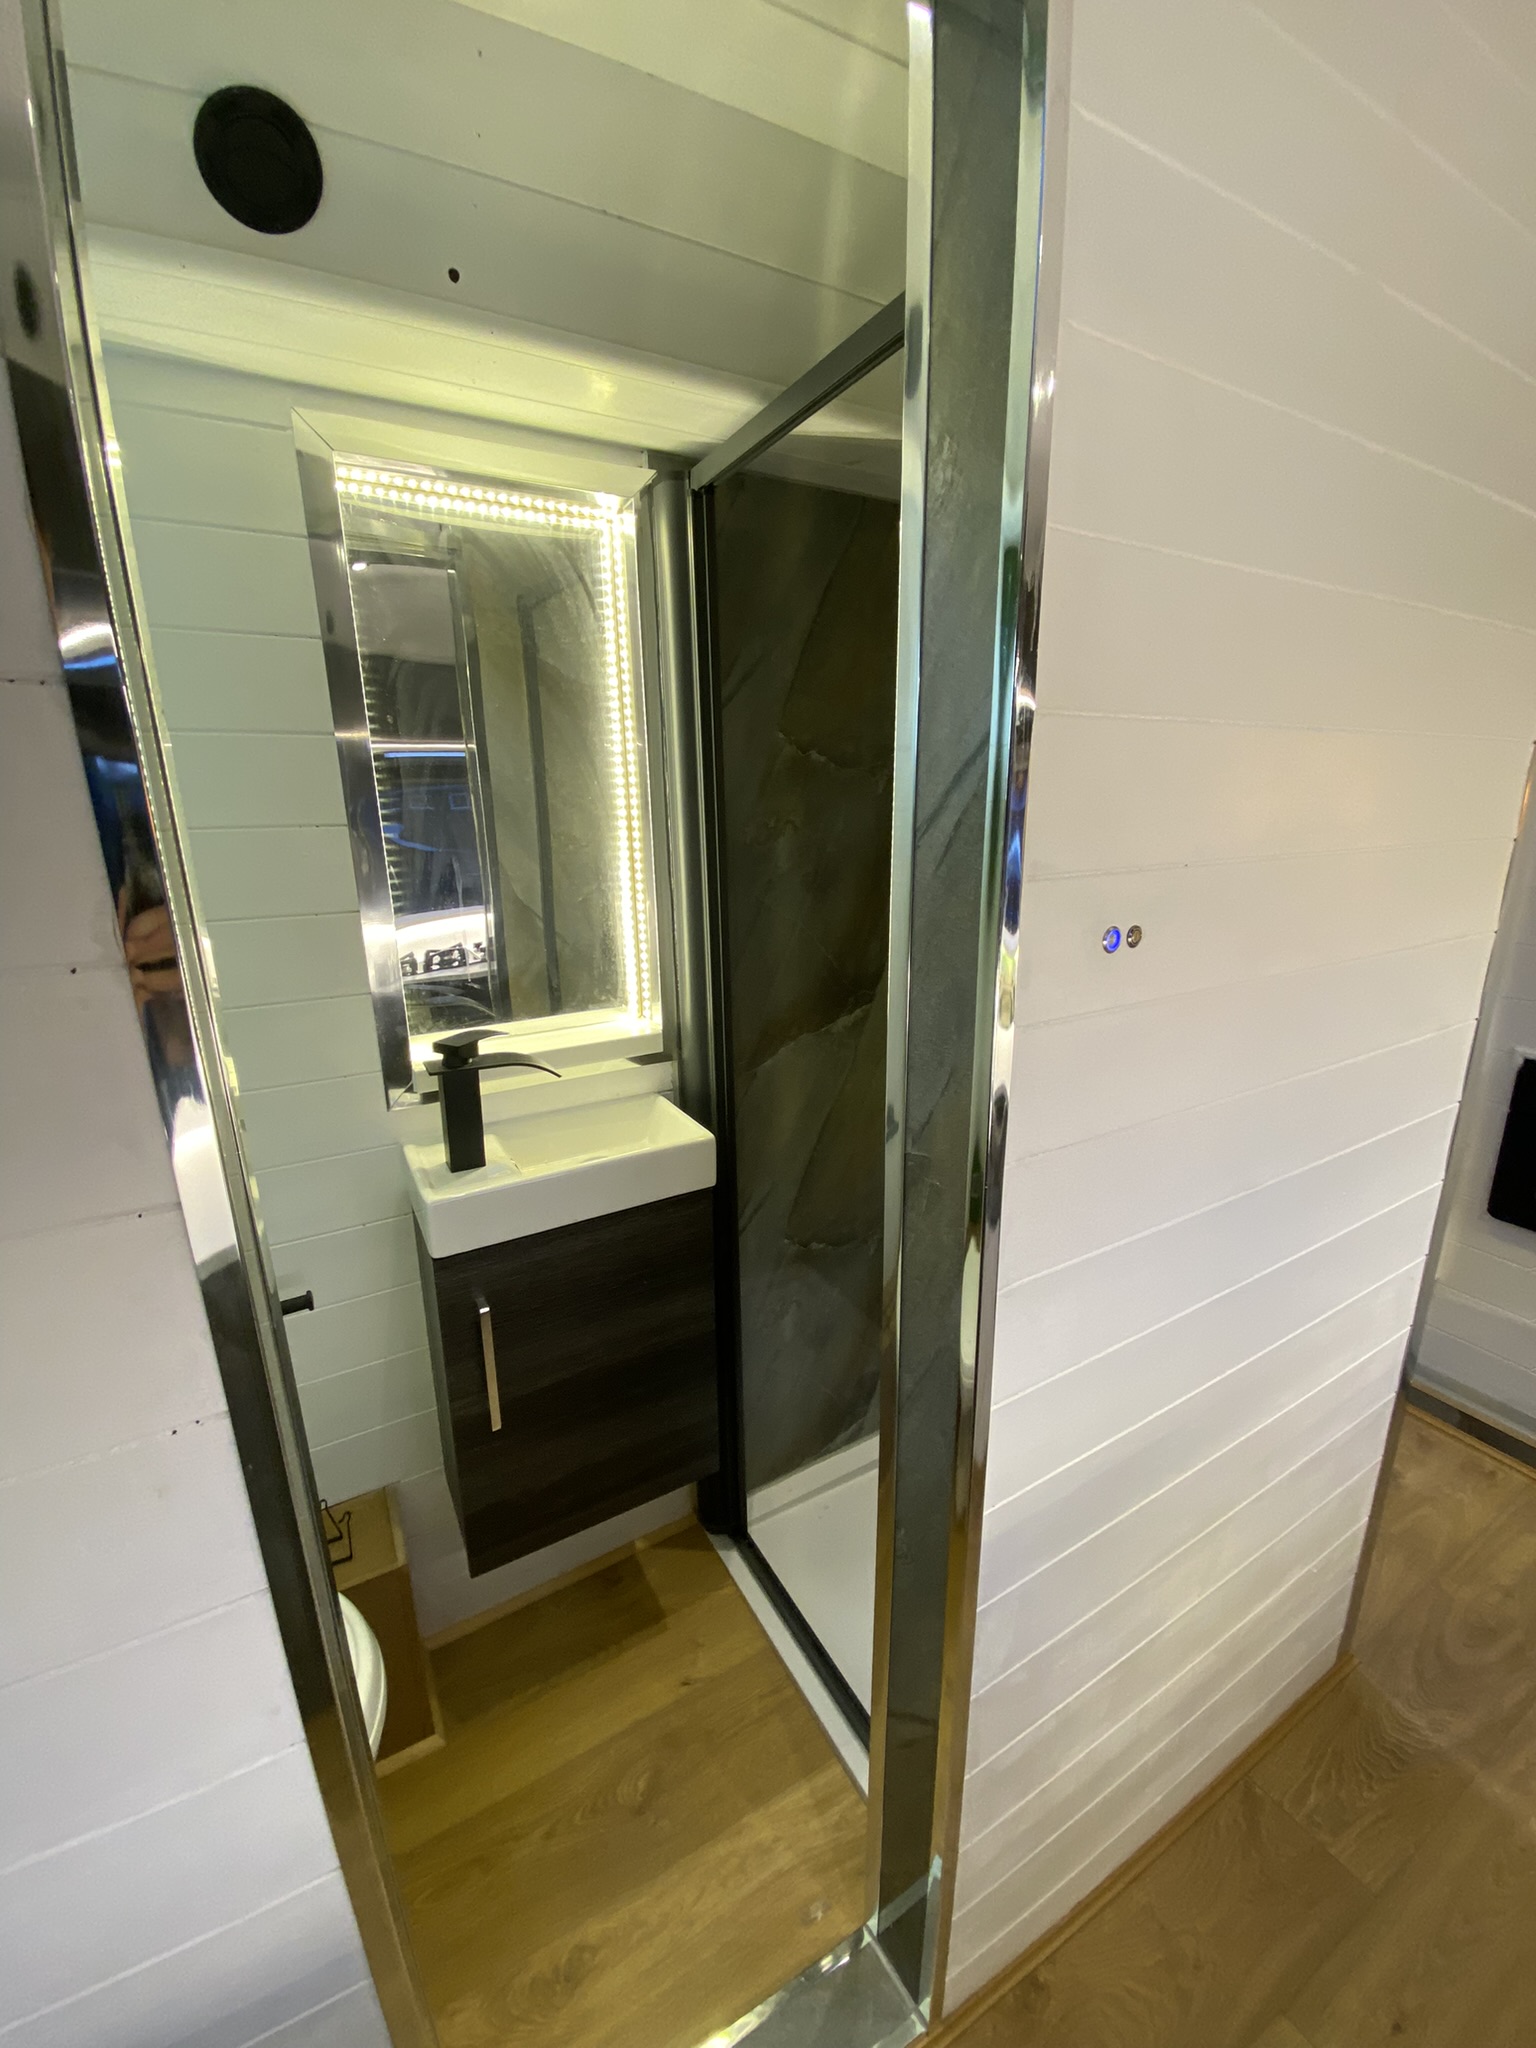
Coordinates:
[505,747]
[387,477]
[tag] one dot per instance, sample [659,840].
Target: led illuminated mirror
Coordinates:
[480,644]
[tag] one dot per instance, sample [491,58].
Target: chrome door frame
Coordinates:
[68,450]
[1019,229]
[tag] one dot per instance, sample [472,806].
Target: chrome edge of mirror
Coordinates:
[940,1311]
[65,433]
[349,716]
[1036,328]
[1505,939]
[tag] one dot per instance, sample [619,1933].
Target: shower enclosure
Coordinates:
[796,531]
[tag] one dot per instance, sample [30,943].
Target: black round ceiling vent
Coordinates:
[258,159]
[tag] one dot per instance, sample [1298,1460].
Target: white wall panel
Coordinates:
[1145,631]
[240,1983]
[1216,922]
[166,1870]
[1081,1198]
[360,1187]
[290,960]
[259,779]
[1223,94]
[1173,463]
[1074,1312]
[1507,29]
[1287,696]
[259,871]
[1126,793]
[211,681]
[1052,1798]
[190,1706]
[1107,1070]
[1334,1487]
[1136,1804]
[1053,1742]
[163,1365]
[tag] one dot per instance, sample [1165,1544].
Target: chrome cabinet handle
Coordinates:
[488,1353]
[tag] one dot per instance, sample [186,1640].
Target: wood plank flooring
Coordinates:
[637,1829]
[1371,1879]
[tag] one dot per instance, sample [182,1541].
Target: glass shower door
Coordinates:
[803,544]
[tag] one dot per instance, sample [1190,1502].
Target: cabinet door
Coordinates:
[604,1344]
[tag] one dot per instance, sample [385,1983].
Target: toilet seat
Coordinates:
[368,1670]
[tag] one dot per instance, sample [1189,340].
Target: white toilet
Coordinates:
[368,1670]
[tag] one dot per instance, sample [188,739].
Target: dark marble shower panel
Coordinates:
[806,592]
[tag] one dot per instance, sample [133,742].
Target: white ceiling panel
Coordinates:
[633,229]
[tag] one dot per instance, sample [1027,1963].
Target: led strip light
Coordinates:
[608,522]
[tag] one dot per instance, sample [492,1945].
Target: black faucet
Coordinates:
[458,1091]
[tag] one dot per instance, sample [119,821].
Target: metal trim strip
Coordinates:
[810,1644]
[867,346]
[1034,229]
[1037,319]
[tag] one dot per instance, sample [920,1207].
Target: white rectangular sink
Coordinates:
[570,1164]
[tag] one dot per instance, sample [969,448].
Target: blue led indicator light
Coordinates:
[1112,939]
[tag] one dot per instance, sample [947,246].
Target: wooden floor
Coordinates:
[637,1829]
[1371,1879]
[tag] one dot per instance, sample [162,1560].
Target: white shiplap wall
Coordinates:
[1287,700]
[166,1869]
[1477,1346]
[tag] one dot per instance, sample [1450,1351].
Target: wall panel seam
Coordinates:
[1315,1451]
[1212,1459]
[1315,1507]
[1027,1152]
[309,2013]
[1049,714]
[470,176]
[1443,164]
[1283,576]
[1308,1621]
[130,1444]
[1351,1539]
[1213,864]
[1228,1201]
[1149,1700]
[1495,57]
[330,1877]
[128,1820]
[1194,1393]
[256,1596]
[1349,435]
[416,1351]
[1082,111]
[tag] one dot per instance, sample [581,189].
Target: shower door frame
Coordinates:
[723,1500]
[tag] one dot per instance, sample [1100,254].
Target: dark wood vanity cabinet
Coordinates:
[603,1334]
